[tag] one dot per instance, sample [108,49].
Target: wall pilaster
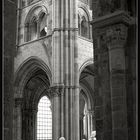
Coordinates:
[116,39]
[57,111]
[110,86]
[18,119]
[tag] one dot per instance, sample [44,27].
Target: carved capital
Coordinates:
[57,91]
[18,102]
[116,36]
[91,113]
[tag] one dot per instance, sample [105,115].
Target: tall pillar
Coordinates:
[116,39]
[56,112]
[102,86]
[110,42]
[65,68]
[33,124]
[81,126]
[18,119]
[85,126]
[91,122]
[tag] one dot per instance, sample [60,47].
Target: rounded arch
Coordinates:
[26,70]
[85,64]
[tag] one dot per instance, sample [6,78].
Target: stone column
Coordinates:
[27,124]
[57,112]
[116,39]
[101,86]
[26,32]
[65,68]
[81,126]
[33,120]
[85,126]
[91,122]
[38,28]
[18,119]
[112,31]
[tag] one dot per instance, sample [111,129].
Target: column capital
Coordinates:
[90,112]
[57,91]
[116,35]
[18,102]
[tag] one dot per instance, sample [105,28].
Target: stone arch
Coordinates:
[87,74]
[35,10]
[39,93]
[86,63]
[84,22]
[87,93]
[83,7]
[32,79]
[25,70]
[88,90]
[43,23]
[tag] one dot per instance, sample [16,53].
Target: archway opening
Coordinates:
[36,115]
[86,103]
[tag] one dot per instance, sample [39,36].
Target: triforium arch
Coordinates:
[35,22]
[33,80]
[84,23]
[84,18]
[87,100]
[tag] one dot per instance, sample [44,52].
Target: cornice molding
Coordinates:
[114,18]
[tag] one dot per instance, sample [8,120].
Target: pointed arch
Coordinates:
[26,70]
[31,30]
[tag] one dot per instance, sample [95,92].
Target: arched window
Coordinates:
[43,25]
[44,119]
[86,114]
[36,24]
[33,30]
[84,28]
[79,26]
[83,23]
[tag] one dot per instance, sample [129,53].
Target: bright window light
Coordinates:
[44,119]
